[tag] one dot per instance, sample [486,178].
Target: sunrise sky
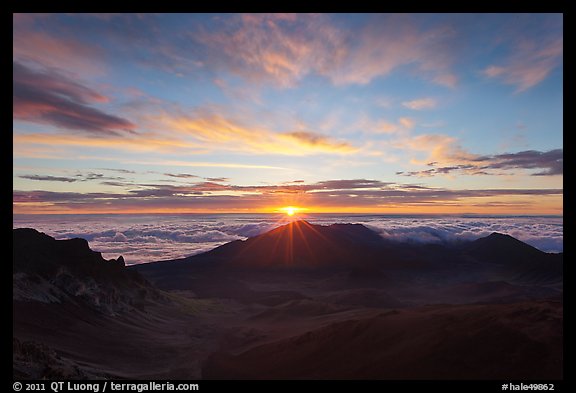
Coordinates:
[428,113]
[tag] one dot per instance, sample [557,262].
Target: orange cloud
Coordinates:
[140,143]
[406,122]
[357,195]
[438,148]
[402,125]
[216,131]
[313,140]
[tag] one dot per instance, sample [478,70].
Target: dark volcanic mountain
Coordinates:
[300,244]
[367,258]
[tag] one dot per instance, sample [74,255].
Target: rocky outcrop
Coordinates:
[58,271]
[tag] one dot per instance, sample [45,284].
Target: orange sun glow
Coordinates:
[290,210]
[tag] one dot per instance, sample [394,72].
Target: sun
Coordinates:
[290,210]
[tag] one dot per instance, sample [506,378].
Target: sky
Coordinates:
[341,113]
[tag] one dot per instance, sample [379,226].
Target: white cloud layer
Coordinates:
[148,238]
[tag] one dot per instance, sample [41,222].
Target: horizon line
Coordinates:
[281,214]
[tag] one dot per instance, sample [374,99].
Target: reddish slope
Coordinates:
[516,341]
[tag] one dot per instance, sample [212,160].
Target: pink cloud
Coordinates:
[406,122]
[65,53]
[286,48]
[402,126]
[438,148]
[529,63]
[48,97]
[420,103]
[393,42]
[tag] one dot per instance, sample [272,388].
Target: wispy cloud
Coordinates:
[205,164]
[47,97]
[548,163]
[420,104]
[80,177]
[205,195]
[401,126]
[217,131]
[142,142]
[529,63]
[393,41]
[317,141]
[273,48]
[181,175]
[49,178]
[119,170]
[437,148]
[285,50]
[34,41]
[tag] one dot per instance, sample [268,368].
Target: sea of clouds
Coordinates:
[147,238]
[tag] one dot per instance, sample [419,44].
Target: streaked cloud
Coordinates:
[214,129]
[394,41]
[49,178]
[529,63]
[285,50]
[79,177]
[406,122]
[181,175]
[274,48]
[436,147]
[317,141]
[206,195]
[401,126]
[420,104]
[548,163]
[32,43]
[142,142]
[47,97]
[218,112]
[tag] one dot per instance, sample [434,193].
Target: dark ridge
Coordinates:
[36,253]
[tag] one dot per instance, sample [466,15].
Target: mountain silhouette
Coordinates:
[366,256]
[499,247]
[37,253]
[300,244]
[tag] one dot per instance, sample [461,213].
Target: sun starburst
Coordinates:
[290,210]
